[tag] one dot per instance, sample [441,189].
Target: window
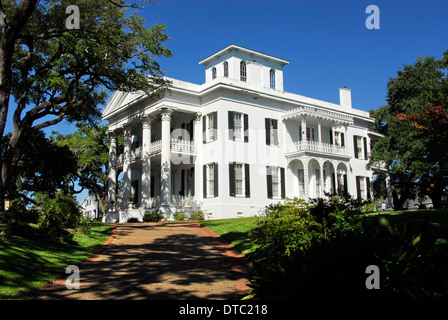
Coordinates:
[210,127]
[213,73]
[211,135]
[301,178]
[317,176]
[271,126]
[275,183]
[210,177]
[243,71]
[360,146]
[238,126]
[239,179]
[361,187]
[339,139]
[226,68]
[272,79]
[275,177]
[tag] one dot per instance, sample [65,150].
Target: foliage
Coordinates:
[17,218]
[180,216]
[132,220]
[408,253]
[415,126]
[197,215]
[292,227]
[153,216]
[58,214]
[54,73]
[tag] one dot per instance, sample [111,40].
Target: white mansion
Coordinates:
[234,144]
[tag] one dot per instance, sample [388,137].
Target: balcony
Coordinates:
[177,146]
[315,147]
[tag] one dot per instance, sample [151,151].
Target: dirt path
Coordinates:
[159,261]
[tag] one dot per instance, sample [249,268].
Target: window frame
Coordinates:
[243,71]
[272,80]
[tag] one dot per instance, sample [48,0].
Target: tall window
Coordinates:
[226,68]
[301,176]
[271,126]
[211,179]
[243,71]
[275,183]
[238,126]
[239,179]
[272,78]
[317,176]
[213,73]
[211,132]
[275,177]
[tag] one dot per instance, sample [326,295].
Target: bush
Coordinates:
[15,220]
[292,227]
[197,215]
[180,216]
[132,220]
[153,216]
[58,214]
[324,247]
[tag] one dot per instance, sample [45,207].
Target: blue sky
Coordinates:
[326,42]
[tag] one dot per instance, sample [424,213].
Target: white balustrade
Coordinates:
[315,146]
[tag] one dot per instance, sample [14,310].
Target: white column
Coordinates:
[332,133]
[198,192]
[112,176]
[304,128]
[319,131]
[126,167]
[165,164]
[146,163]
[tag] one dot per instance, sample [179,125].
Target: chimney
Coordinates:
[345,97]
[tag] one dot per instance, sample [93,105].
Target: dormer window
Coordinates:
[272,78]
[226,68]
[213,73]
[243,71]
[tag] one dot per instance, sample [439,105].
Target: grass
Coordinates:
[29,262]
[236,231]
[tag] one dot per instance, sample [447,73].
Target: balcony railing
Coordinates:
[317,147]
[177,145]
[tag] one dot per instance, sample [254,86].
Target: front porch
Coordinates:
[156,170]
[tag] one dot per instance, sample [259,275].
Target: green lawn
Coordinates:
[236,231]
[28,263]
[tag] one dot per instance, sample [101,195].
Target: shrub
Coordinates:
[180,216]
[153,216]
[58,214]
[132,220]
[197,215]
[15,220]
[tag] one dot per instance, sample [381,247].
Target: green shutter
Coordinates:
[247,179]
[269,182]
[267,125]
[368,187]
[216,179]
[204,130]
[345,184]
[331,136]
[282,182]
[204,180]
[232,179]
[231,125]
[355,144]
[342,139]
[246,128]
[358,187]
[365,147]
[215,125]
[192,181]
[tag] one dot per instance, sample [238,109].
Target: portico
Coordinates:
[157,165]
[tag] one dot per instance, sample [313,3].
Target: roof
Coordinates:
[236,48]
